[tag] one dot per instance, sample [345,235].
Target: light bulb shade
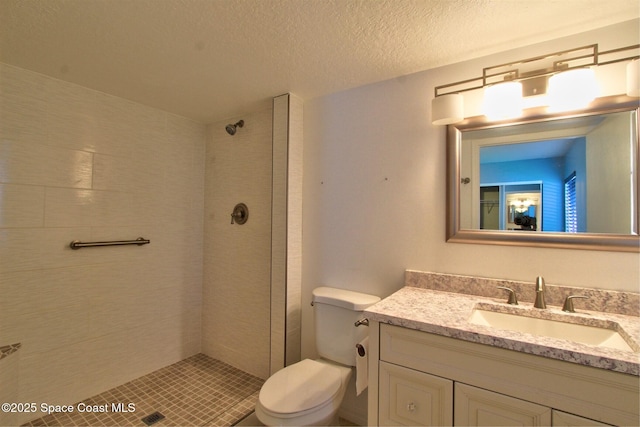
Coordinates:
[503,101]
[572,89]
[447,109]
[633,78]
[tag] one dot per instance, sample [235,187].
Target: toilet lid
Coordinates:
[299,387]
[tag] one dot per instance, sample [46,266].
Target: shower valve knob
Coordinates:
[240,214]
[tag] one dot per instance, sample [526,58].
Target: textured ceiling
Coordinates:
[213,59]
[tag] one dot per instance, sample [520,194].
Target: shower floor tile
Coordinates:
[198,391]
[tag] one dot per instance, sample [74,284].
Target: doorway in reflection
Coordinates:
[511,206]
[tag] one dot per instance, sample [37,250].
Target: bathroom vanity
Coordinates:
[433,360]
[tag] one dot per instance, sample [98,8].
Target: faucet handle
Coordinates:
[568,303]
[512,295]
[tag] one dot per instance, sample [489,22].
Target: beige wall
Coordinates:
[610,175]
[237,258]
[79,164]
[375,199]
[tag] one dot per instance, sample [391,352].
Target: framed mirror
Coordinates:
[547,180]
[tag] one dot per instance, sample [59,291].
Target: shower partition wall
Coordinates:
[286,234]
[251,287]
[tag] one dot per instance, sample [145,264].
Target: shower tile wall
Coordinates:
[237,258]
[80,164]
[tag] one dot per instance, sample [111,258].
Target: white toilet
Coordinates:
[310,392]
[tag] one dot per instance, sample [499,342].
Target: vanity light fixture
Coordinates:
[447,109]
[503,101]
[572,89]
[538,76]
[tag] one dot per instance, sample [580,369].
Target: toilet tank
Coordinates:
[336,312]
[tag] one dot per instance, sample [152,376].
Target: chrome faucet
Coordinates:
[540,288]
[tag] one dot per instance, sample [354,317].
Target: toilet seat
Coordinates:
[300,388]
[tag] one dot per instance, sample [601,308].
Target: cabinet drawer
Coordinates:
[478,407]
[409,397]
[562,419]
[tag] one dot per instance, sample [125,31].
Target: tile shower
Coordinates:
[77,164]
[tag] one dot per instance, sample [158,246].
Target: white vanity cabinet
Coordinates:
[417,378]
[478,407]
[413,398]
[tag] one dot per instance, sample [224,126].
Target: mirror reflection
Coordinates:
[574,175]
[547,180]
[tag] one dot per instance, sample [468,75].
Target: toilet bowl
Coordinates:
[307,393]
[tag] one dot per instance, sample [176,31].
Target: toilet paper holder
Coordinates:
[361,351]
[364,322]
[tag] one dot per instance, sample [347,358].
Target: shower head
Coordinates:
[231,129]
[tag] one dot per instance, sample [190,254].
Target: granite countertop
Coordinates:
[447,314]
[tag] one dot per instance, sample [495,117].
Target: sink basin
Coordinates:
[590,335]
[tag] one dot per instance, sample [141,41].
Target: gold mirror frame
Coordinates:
[589,241]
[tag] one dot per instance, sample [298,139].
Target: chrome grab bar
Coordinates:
[76,244]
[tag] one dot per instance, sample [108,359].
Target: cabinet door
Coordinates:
[413,398]
[562,419]
[478,407]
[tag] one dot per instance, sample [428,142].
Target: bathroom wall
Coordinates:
[76,164]
[237,258]
[375,194]
[608,157]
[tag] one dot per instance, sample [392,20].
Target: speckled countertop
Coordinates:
[447,314]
